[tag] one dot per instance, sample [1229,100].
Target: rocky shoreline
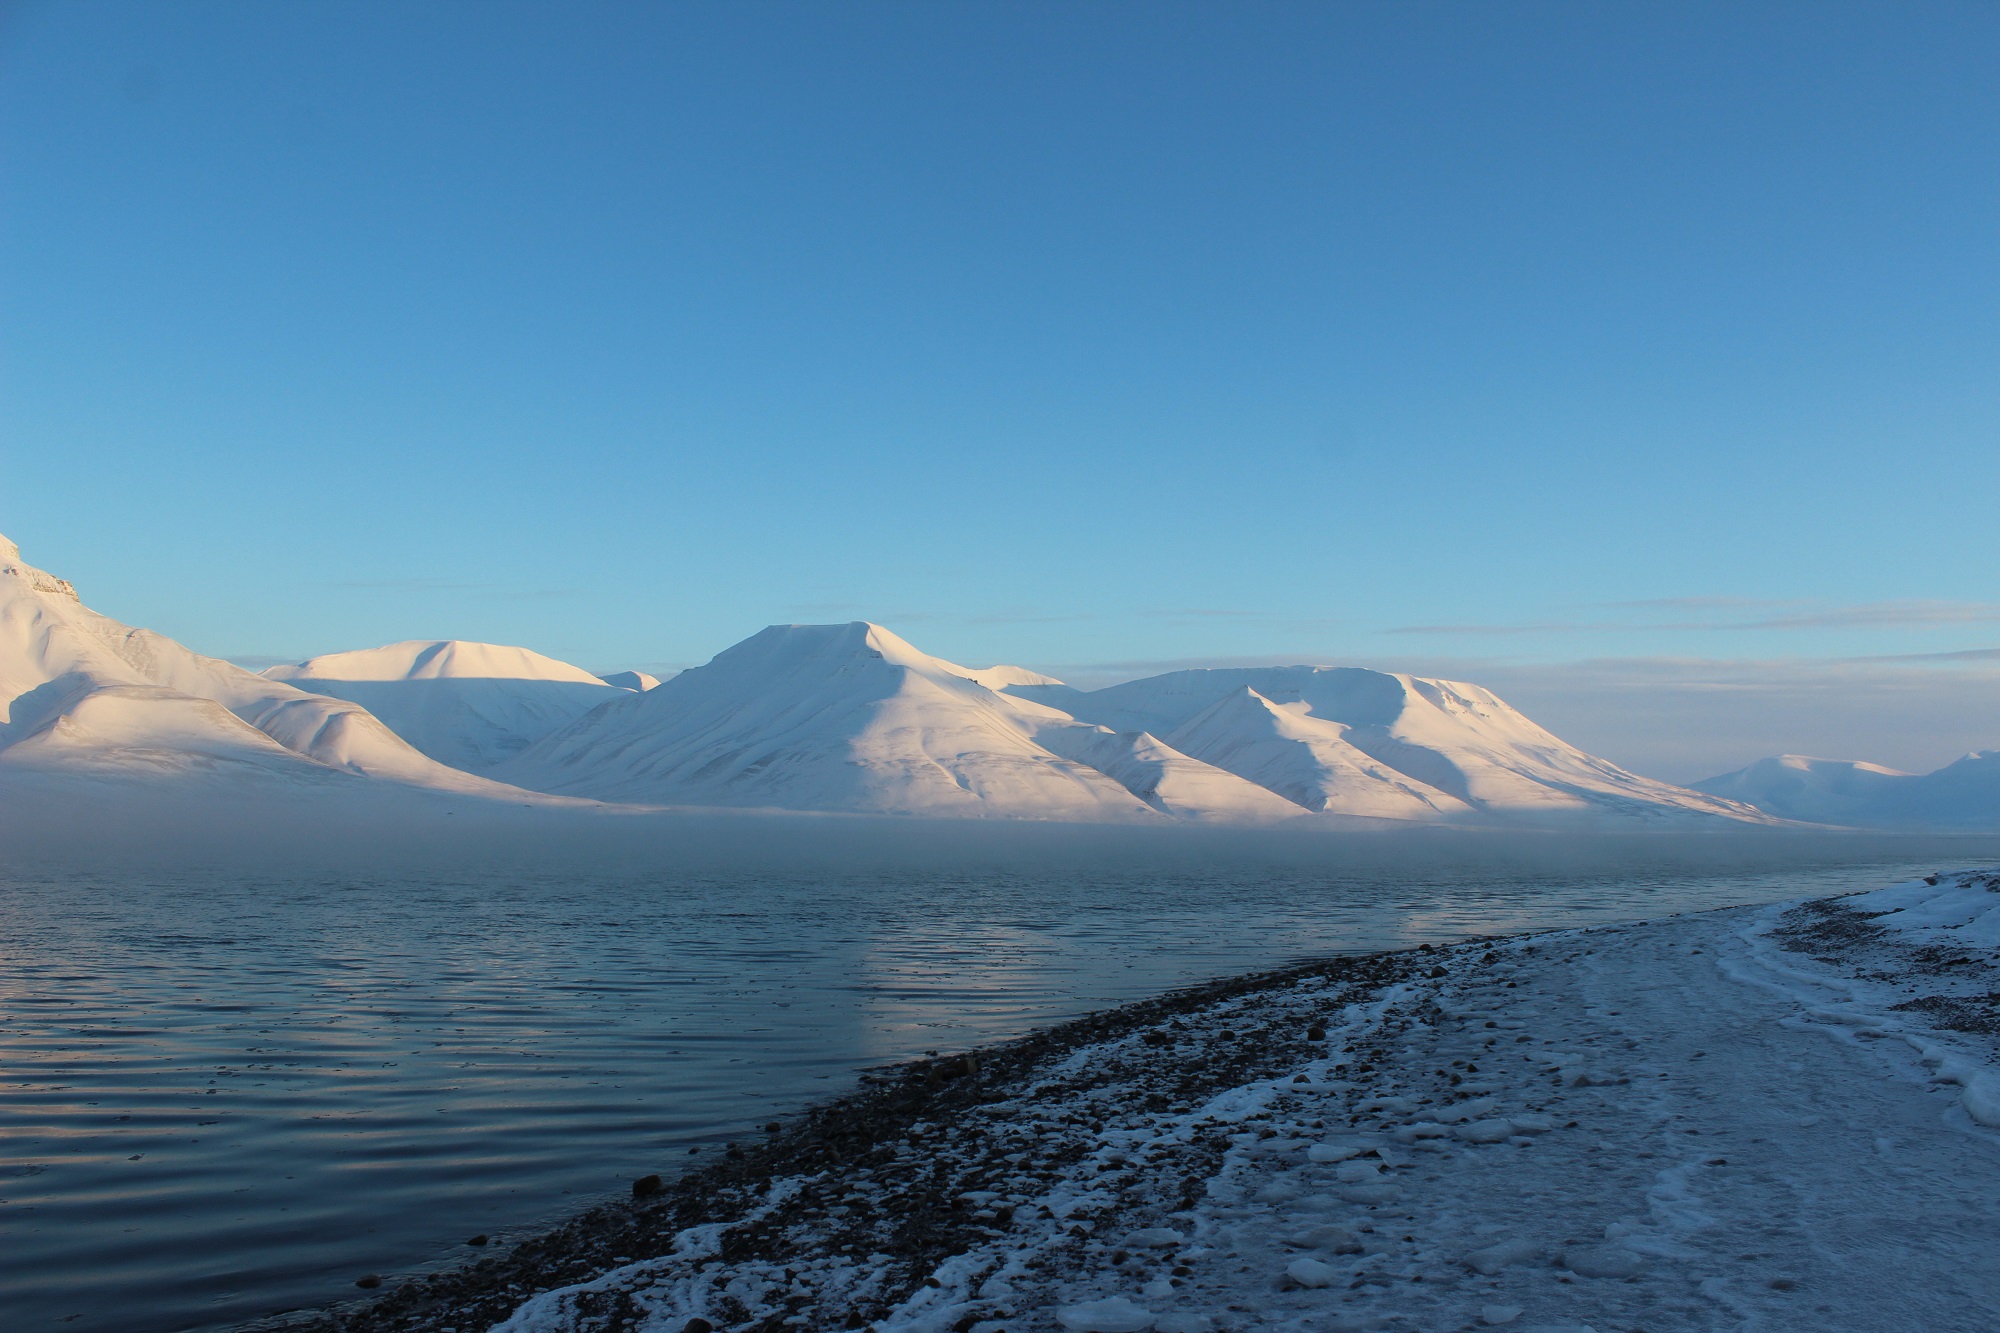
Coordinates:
[1765,1116]
[924,1135]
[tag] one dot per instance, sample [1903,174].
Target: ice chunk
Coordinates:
[1370,1193]
[1354,1173]
[1387,1104]
[1113,1314]
[1493,1258]
[1486,1131]
[1155,1238]
[1421,1129]
[1499,1314]
[1531,1124]
[1158,1288]
[1472,1110]
[1275,1147]
[1338,1239]
[1335,1152]
[1312,1273]
[1982,1099]
[1603,1261]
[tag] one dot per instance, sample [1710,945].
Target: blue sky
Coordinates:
[1643,350]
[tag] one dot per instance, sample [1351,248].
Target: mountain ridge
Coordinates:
[1962,795]
[83,694]
[853,717]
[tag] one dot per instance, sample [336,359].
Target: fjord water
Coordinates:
[228,1091]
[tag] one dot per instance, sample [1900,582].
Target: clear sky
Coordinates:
[1638,360]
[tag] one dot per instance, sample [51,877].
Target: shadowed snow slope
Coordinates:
[822,717]
[638,681]
[1304,759]
[1961,795]
[1436,743]
[470,705]
[851,717]
[84,695]
[1171,782]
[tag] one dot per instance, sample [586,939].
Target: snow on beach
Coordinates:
[1776,1118]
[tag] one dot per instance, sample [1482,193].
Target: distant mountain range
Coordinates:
[852,718]
[1960,796]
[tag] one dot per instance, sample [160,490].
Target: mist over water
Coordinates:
[239,1069]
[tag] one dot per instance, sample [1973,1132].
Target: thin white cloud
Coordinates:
[1871,615]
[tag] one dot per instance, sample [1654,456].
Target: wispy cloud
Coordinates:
[1962,655]
[1695,603]
[1870,615]
[1887,615]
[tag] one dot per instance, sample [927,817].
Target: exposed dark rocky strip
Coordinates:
[887,1169]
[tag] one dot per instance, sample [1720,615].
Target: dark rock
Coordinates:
[479,1239]
[645,1187]
[697,1325]
[370,1281]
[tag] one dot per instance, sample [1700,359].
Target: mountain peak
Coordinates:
[12,566]
[434,659]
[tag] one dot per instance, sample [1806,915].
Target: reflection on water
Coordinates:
[226,1095]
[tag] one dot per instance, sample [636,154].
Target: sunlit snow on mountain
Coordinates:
[854,719]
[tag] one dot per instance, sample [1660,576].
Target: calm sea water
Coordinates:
[226,1093]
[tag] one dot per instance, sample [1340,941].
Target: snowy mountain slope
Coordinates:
[80,692]
[1171,782]
[851,717]
[1961,795]
[636,681]
[1461,740]
[469,705]
[1305,759]
[1008,679]
[1796,786]
[822,717]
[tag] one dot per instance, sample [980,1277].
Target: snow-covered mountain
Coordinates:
[1305,759]
[1350,740]
[470,705]
[822,717]
[1961,795]
[851,717]
[82,694]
